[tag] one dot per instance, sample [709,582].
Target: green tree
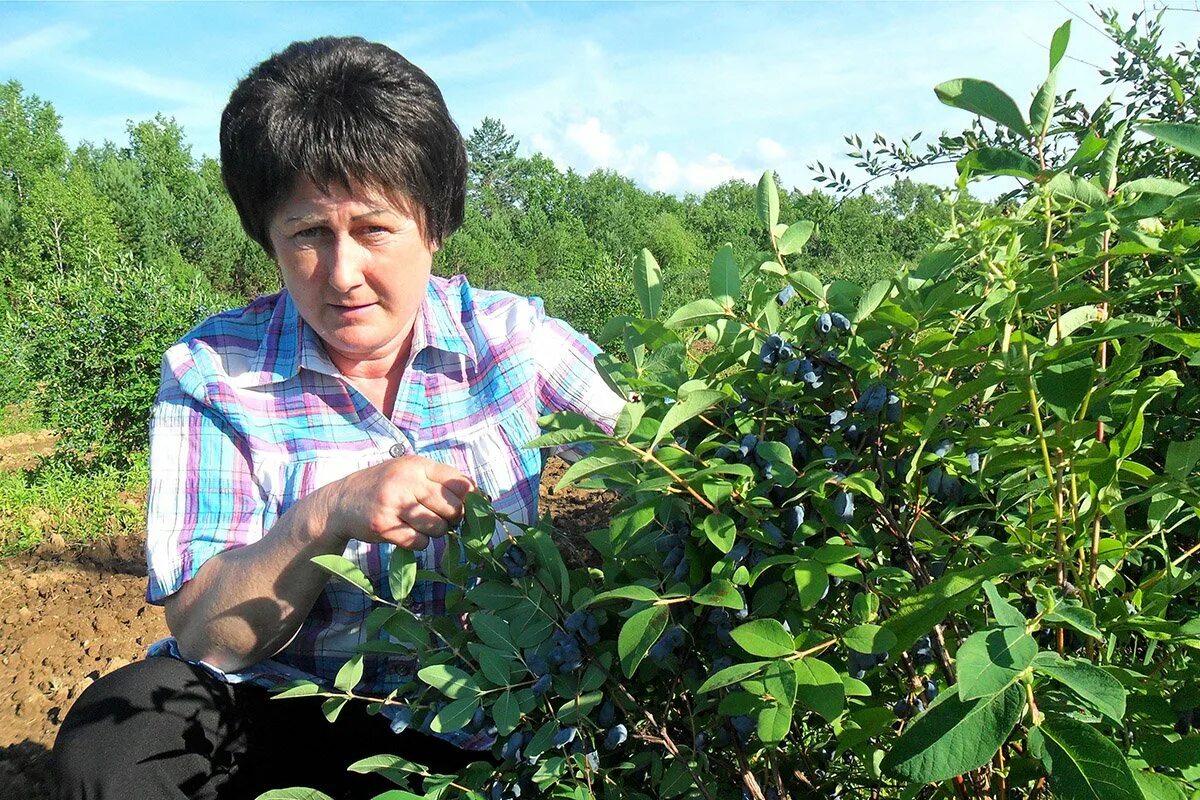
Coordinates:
[490,150]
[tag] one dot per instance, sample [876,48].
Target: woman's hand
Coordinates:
[404,501]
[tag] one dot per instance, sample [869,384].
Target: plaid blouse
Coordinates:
[252,415]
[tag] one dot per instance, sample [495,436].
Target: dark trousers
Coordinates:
[161,728]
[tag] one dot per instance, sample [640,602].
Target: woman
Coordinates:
[349,414]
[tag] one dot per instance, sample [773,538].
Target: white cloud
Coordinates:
[41,43]
[771,150]
[593,141]
[136,79]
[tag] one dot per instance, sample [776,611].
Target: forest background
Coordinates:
[109,253]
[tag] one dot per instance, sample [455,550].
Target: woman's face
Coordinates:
[356,266]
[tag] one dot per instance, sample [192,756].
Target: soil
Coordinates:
[71,614]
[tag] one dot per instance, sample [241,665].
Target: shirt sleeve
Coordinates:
[203,497]
[568,379]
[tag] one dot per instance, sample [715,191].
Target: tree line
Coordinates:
[110,252]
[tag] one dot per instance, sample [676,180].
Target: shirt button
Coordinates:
[396,450]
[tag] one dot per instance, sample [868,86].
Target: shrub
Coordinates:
[927,538]
[91,344]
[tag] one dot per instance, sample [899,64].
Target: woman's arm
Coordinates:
[247,603]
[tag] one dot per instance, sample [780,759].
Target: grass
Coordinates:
[19,418]
[81,508]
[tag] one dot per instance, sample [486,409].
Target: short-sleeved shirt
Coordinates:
[252,415]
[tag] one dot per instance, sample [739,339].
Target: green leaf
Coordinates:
[1041,110]
[767,200]
[731,675]
[954,736]
[384,763]
[719,593]
[638,634]
[1005,612]
[988,661]
[918,613]
[346,570]
[765,638]
[696,313]
[634,592]
[774,721]
[1156,786]
[1091,146]
[1072,612]
[506,713]
[1072,321]
[493,631]
[402,572]
[795,237]
[808,285]
[811,582]
[872,298]
[998,161]
[819,687]
[647,282]
[1084,764]
[450,681]
[1183,136]
[691,405]
[1182,457]
[1097,688]
[721,531]
[300,689]
[454,716]
[1058,44]
[349,674]
[294,793]
[1064,384]
[333,706]
[985,99]
[577,707]
[869,639]
[725,279]
[399,794]
[1160,186]
[1082,191]
[494,663]
[1112,149]
[598,462]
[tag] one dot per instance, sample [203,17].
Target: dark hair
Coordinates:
[342,110]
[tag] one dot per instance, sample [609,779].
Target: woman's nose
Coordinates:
[346,263]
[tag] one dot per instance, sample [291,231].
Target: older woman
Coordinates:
[350,413]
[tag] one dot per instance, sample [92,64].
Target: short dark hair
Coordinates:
[342,110]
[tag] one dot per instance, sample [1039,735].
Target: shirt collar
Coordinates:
[290,343]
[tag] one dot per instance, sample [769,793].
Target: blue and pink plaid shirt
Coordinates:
[252,415]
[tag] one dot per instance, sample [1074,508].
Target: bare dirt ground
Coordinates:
[69,615]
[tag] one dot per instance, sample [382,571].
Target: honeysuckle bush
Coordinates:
[929,538]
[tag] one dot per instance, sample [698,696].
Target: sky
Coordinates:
[678,96]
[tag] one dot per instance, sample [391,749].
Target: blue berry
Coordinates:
[973,460]
[564,737]
[873,399]
[843,505]
[824,324]
[615,737]
[931,691]
[512,748]
[792,519]
[785,295]
[894,408]
[839,321]
[541,685]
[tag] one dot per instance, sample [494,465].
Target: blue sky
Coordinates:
[679,96]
